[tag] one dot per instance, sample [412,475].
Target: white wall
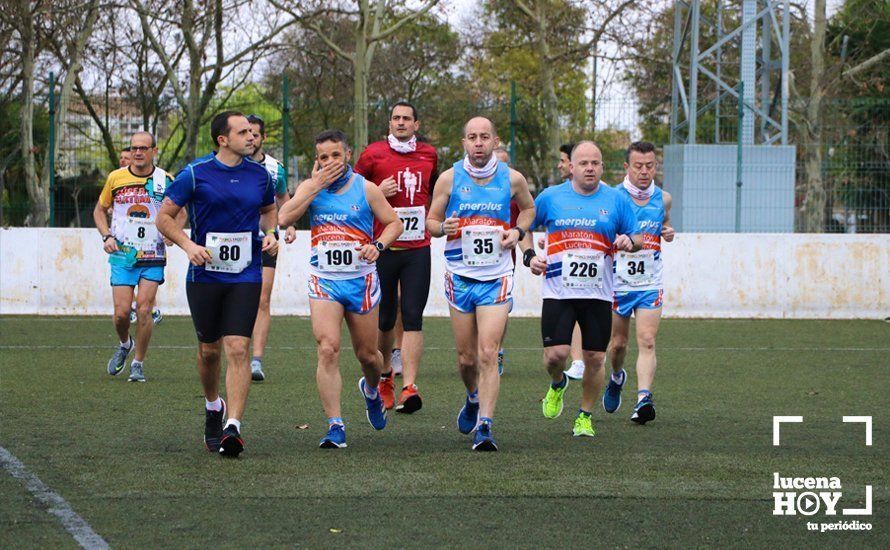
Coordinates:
[65,271]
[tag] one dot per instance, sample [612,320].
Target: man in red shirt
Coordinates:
[404,168]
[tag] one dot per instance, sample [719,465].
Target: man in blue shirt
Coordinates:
[229,197]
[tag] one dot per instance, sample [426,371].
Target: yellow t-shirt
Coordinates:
[135,201]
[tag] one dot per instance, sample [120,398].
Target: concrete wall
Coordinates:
[65,272]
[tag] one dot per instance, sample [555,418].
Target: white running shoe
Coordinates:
[396,362]
[576,371]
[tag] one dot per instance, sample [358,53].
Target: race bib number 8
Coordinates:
[413,222]
[582,269]
[636,268]
[229,252]
[481,245]
[140,233]
[338,256]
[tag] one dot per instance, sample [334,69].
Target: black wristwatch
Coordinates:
[527,257]
[106,237]
[379,246]
[521,232]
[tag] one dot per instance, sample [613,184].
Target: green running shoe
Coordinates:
[583,426]
[554,400]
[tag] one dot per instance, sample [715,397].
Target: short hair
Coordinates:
[254,119]
[639,147]
[567,149]
[154,142]
[126,149]
[494,130]
[337,136]
[404,103]
[219,126]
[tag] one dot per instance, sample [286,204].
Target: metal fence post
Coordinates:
[285,129]
[51,149]
[513,122]
[738,164]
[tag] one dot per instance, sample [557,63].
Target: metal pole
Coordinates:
[52,149]
[285,129]
[692,116]
[513,122]
[738,165]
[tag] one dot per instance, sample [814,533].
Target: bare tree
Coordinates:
[815,198]
[375,21]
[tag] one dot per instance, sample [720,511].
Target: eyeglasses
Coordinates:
[140,148]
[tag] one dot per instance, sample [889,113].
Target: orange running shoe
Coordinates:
[409,400]
[387,392]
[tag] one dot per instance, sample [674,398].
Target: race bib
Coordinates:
[582,269]
[338,256]
[636,268]
[481,245]
[229,252]
[413,222]
[140,233]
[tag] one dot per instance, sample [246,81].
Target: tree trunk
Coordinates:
[37,195]
[815,197]
[361,61]
[551,105]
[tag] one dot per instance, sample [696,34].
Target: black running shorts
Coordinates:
[223,309]
[558,318]
[410,271]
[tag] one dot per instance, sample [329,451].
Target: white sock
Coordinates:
[578,363]
[214,405]
[619,378]
[135,362]
[370,393]
[234,422]
[473,397]
[126,345]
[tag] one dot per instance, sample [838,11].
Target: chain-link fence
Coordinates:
[854,170]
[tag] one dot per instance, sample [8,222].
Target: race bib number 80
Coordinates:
[481,245]
[582,269]
[229,252]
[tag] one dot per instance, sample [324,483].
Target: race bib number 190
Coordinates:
[338,256]
[582,269]
[481,245]
[229,252]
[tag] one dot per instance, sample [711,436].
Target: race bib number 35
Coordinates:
[635,268]
[229,252]
[582,269]
[338,256]
[140,233]
[413,222]
[481,245]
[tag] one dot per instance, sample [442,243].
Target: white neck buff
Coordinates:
[481,173]
[636,192]
[402,146]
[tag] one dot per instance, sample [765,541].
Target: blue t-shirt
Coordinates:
[224,200]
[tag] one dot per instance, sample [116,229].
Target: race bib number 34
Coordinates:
[582,269]
[481,245]
[413,222]
[229,252]
[635,268]
[338,256]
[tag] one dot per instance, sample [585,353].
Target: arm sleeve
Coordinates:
[181,190]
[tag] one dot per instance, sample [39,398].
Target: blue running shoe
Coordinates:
[483,441]
[644,411]
[335,438]
[376,412]
[468,417]
[612,395]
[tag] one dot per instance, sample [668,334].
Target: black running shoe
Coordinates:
[213,428]
[231,444]
[644,411]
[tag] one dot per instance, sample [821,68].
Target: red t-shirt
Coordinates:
[415,174]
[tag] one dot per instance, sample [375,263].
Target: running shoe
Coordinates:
[213,427]
[583,426]
[256,371]
[136,374]
[376,411]
[500,362]
[156,316]
[576,371]
[117,361]
[554,400]
[409,400]
[644,411]
[133,312]
[335,438]
[231,444]
[483,441]
[387,392]
[468,417]
[396,363]
[612,395]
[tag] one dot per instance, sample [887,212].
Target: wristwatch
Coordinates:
[379,246]
[106,237]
